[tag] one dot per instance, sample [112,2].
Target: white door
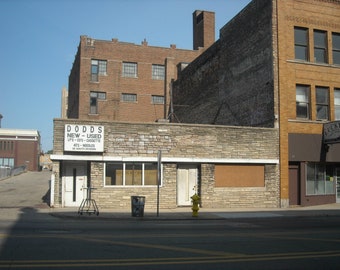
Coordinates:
[75,183]
[186,184]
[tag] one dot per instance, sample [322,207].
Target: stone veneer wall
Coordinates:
[206,142]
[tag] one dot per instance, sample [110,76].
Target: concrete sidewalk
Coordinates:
[185,213]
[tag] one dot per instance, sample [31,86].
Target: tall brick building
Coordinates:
[258,113]
[116,93]
[277,65]
[120,81]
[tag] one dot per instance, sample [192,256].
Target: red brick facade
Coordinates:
[138,97]
[20,148]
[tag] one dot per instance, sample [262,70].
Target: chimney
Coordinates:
[203,29]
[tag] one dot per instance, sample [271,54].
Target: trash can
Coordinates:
[137,206]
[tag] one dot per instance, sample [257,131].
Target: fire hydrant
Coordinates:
[195,201]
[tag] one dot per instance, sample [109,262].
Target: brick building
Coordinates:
[120,81]
[19,147]
[276,65]
[115,88]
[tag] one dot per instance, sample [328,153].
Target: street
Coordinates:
[31,238]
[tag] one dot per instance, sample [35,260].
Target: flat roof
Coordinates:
[18,132]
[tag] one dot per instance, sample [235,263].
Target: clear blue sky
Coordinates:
[39,39]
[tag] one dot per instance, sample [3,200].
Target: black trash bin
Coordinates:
[137,206]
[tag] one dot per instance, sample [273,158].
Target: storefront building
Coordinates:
[226,166]
[276,65]
[314,166]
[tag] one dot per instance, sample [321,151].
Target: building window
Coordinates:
[301,43]
[337,103]
[94,97]
[336,48]
[322,103]
[131,174]
[158,72]
[98,67]
[320,46]
[241,175]
[157,99]
[319,179]
[129,97]
[129,69]
[7,146]
[7,162]
[302,101]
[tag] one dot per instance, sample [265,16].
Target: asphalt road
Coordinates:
[32,239]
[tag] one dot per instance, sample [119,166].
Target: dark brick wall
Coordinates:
[232,82]
[73,90]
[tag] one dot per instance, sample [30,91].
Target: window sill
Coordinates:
[117,186]
[308,121]
[129,77]
[296,61]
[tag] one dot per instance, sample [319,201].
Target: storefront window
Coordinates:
[114,174]
[319,179]
[131,174]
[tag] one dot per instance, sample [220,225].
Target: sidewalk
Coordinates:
[185,213]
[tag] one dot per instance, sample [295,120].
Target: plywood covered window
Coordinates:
[131,174]
[239,175]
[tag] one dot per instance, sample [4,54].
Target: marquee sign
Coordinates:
[331,132]
[84,138]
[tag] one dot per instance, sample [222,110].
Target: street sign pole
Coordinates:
[159,162]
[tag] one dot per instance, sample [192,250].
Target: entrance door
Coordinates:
[294,185]
[186,184]
[75,182]
[337,185]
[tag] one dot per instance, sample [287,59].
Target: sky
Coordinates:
[39,40]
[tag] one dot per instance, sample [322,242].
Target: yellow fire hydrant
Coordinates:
[195,201]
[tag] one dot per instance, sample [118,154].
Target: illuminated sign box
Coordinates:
[84,138]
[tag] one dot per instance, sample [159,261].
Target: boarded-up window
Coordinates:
[239,175]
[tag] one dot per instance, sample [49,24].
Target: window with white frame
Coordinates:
[320,179]
[302,101]
[158,72]
[128,97]
[8,162]
[98,67]
[131,174]
[129,69]
[157,99]
[337,103]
